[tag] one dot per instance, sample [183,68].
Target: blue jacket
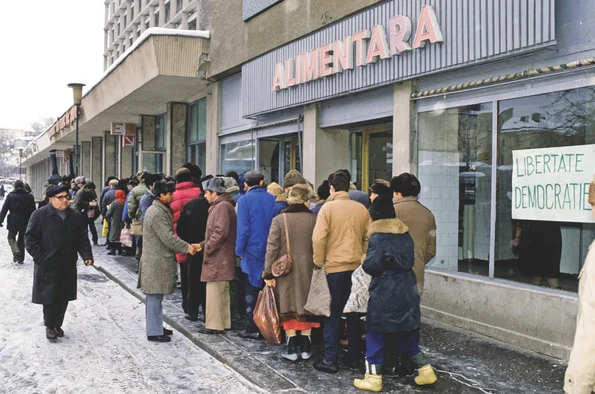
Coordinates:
[279,207]
[145,202]
[255,215]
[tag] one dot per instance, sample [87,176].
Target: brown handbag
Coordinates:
[284,265]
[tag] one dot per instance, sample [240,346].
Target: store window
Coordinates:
[238,157]
[544,166]
[371,155]
[153,162]
[454,169]
[192,25]
[196,138]
[179,5]
[160,132]
[167,9]
[156,19]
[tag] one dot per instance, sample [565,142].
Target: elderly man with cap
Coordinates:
[55,235]
[218,267]
[255,214]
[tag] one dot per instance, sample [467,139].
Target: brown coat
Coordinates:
[340,237]
[292,290]
[580,375]
[220,241]
[422,228]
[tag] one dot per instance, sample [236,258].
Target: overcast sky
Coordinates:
[44,46]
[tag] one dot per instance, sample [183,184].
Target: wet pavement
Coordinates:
[465,362]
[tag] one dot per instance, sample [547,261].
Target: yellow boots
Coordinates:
[372,381]
[426,376]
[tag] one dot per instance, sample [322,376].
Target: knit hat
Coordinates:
[292,178]
[120,196]
[183,175]
[114,182]
[275,189]
[216,185]
[324,190]
[382,188]
[299,194]
[54,190]
[382,208]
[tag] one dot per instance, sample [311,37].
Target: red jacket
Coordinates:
[185,191]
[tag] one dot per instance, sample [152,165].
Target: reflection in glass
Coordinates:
[539,252]
[237,156]
[455,174]
[153,162]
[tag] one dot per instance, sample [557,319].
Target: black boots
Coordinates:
[50,333]
[305,347]
[291,352]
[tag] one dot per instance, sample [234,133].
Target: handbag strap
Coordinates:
[287,234]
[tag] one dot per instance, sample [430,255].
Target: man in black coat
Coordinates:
[56,233]
[21,204]
[191,227]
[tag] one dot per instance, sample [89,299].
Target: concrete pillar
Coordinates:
[96,171]
[403,124]
[161,13]
[152,16]
[85,152]
[318,163]
[184,25]
[109,155]
[148,132]
[213,127]
[125,160]
[176,136]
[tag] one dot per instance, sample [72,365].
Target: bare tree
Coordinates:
[7,153]
[42,125]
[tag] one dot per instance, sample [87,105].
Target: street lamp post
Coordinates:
[77,96]
[20,162]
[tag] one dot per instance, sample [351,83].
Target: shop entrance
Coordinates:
[277,156]
[371,155]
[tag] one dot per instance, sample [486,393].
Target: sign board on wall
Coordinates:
[394,41]
[128,141]
[553,183]
[123,129]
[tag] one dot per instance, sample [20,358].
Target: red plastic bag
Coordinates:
[266,316]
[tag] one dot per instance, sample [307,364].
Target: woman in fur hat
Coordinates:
[293,288]
[393,308]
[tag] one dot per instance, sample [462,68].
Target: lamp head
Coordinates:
[77,92]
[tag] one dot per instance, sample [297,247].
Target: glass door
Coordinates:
[377,155]
[277,156]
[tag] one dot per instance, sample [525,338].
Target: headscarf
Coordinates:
[120,196]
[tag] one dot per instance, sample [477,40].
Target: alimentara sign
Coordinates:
[358,50]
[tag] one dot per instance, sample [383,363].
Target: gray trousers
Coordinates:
[154,312]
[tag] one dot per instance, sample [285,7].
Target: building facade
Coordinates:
[488,102]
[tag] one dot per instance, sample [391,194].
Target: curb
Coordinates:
[230,362]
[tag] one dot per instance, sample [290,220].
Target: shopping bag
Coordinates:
[105,230]
[360,292]
[319,297]
[125,238]
[136,228]
[266,316]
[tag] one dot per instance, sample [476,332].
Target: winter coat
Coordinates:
[292,290]
[280,205]
[53,243]
[81,204]
[580,375]
[255,214]
[114,216]
[21,204]
[158,268]
[318,207]
[192,224]
[219,261]
[145,202]
[185,191]
[108,198]
[101,195]
[422,228]
[340,236]
[394,299]
[134,200]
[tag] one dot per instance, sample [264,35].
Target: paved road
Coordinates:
[105,349]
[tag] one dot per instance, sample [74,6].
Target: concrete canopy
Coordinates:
[157,70]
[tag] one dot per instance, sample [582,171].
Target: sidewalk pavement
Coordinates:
[465,362]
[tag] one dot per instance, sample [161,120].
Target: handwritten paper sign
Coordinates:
[553,183]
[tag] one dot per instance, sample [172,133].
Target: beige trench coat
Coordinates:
[580,375]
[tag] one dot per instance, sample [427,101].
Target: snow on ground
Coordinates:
[104,350]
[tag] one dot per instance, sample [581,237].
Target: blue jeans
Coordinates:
[251,297]
[406,342]
[340,287]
